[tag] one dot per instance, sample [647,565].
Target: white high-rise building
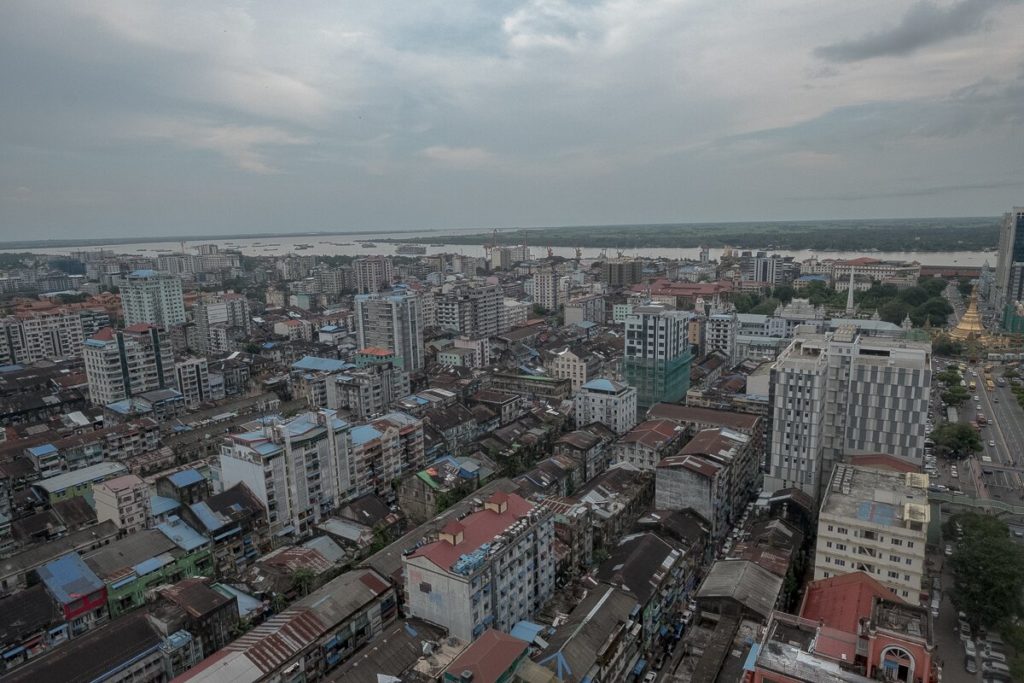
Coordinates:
[47,335]
[473,309]
[298,468]
[606,401]
[193,379]
[123,364]
[373,274]
[720,334]
[151,297]
[845,393]
[220,319]
[392,320]
[657,354]
[545,289]
[492,568]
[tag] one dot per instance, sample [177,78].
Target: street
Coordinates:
[997,467]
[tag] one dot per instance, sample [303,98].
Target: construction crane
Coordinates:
[579,253]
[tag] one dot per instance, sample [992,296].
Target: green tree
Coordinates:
[944,346]
[949,377]
[955,395]
[1010,373]
[988,569]
[894,312]
[965,286]
[766,307]
[783,293]
[933,285]
[302,581]
[956,440]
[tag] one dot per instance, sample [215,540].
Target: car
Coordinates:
[995,656]
[976,398]
[992,665]
[992,443]
[977,407]
[969,649]
[987,648]
[949,550]
[954,474]
[964,631]
[651,677]
[1018,533]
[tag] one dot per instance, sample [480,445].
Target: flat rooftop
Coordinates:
[879,497]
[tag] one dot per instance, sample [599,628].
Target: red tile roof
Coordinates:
[842,601]
[884,461]
[478,528]
[106,334]
[652,433]
[489,657]
[139,327]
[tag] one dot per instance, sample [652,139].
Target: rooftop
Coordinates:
[488,657]
[708,416]
[184,536]
[752,586]
[604,385]
[69,579]
[842,601]
[874,496]
[315,363]
[86,475]
[477,529]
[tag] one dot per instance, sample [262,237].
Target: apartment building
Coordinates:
[153,298]
[546,290]
[657,354]
[874,521]
[720,334]
[123,364]
[606,401]
[124,501]
[392,320]
[578,368]
[383,450]
[845,393]
[470,308]
[512,313]
[367,392]
[221,320]
[373,274]
[47,335]
[298,468]
[492,568]
[192,376]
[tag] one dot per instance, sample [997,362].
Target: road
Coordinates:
[1003,481]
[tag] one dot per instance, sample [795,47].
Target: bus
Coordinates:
[990,385]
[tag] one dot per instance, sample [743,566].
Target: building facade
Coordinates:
[657,354]
[611,403]
[393,321]
[123,364]
[151,297]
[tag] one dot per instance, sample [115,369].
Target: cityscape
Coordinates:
[511,467]
[532,341]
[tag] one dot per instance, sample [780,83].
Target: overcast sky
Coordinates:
[157,118]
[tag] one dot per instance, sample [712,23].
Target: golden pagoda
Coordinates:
[970,327]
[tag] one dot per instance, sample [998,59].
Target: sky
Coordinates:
[129,118]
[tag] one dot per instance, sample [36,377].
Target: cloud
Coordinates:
[244,146]
[458,157]
[913,192]
[924,24]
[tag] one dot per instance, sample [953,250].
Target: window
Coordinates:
[894,575]
[897,541]
[425,587]
[829,526]
[842,530]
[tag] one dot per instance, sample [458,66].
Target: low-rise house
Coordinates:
[590,445]
[646,444]
[236,522]
[15,570]
[309,639]
[80,594]
[76,483]
[123,500]
[493,658]
[208,615]
[30,624]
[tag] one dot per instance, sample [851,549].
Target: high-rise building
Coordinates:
[874,521]
[373,274]
[1009,281]
[611,403]
[47,335]
[622,272]
[657,354]
[193,378]
[845,393]
[220,320]
[473,309]
[492,568]
[392,320]
[299,468]
[720,334]
[545,289]
[123,364]
[151,297]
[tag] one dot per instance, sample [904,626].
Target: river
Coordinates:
[352,245]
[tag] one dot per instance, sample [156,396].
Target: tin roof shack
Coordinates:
[207,614]
[236,522]
[81,595]
[30,624]
[309,639]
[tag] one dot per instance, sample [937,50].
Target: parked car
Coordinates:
[970,664]
[969,649]
[949,550]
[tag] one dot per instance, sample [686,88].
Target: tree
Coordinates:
[783,293]
[944,346]
[894,312]
[302,581]
[955,395]
[989,571]
[956,440]
[766,307]
[950,377]
[1010,373]
[965,287]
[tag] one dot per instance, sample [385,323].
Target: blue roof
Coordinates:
[586,324]
[143,272]
[526,630]
[44,449]
[600,384]
[321,364]
[364,434]
[184,536]
[14,367]
[69,579]
[815,277]
[330,328]
[185,478]
[152,564]
[160,505]
[207,517]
